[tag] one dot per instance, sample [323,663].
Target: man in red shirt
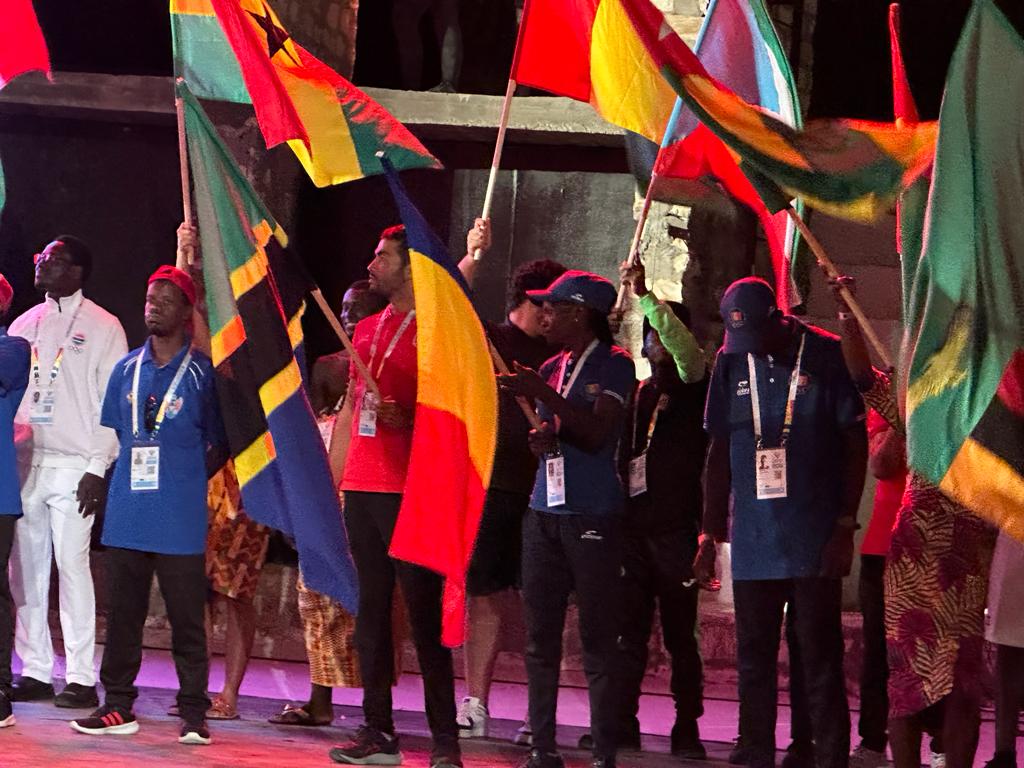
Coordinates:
[369,457]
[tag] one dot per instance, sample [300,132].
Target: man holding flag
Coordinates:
[370,451]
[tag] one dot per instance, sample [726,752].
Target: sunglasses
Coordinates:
[150,412]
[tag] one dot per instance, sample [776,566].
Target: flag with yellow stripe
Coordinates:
[255,297]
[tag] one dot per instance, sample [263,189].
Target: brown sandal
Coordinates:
[221,710]
[292,715]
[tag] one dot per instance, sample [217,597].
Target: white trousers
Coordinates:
[52,528]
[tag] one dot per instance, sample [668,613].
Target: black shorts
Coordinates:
[495,565]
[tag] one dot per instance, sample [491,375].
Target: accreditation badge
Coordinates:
[770,473]
[638,475]
[555,469]
[368,415]
[145,472]
[41,408]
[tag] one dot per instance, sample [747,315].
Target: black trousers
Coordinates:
[7,523]
[816,605]
[562,554]
[184,586]
[658,569]
[874,676]
[370,519]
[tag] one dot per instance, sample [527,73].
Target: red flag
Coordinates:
[903,106]
[22,47]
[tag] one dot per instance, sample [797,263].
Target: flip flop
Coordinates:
[292,715]
[221,710]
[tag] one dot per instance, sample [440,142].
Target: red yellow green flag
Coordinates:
[237,50]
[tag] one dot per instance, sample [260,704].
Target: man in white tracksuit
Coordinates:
[75,345]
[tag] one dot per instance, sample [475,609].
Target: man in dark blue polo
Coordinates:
[787,441]
[14,365]
[161,402]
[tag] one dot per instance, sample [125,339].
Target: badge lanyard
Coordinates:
[661,405]
[168,397]
[755,398]
[565,387]
[59,359]
[391,346]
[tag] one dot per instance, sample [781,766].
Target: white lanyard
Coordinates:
[566,387]
[661,405]
[394,339]
[755,398]
[55,369]
[168,397]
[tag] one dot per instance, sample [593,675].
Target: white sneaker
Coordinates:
[937,760]
[524,734]
[862,757]
[472,719]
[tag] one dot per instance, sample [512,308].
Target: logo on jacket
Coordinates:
[591,536]
[743,389]
[803,381]
[77,342]
[174,407]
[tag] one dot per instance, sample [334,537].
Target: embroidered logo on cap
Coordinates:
[737,318]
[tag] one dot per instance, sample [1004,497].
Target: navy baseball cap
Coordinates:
[578,287]
[747,307]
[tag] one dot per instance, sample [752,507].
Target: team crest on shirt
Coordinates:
[174,407]
[803,381]
[743,389]
[592,390]
[78,342]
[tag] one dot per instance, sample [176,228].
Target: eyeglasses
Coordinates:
[53,258]
[149,415]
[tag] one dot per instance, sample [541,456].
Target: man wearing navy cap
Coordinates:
[572,531]
[14,363]
[787,441]
[161,403]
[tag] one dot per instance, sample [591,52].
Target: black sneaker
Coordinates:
[538,759]
[798,755]
[586,741]
[77,696]
[445,761]
[30,689]
[6,713]
[686,742]
[740,753]
[368,747]
[107,720]
[195,733]
[1002,760]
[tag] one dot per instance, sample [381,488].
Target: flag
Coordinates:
[963,346]
[913,201]
[456,420]
[848,168]
[255,299]
[739,46]
[587,50]
[22,49]
[237,50]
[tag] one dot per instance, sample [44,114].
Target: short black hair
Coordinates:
[532,276]
[397,233]
[359,285]
[81,255]
[679,310]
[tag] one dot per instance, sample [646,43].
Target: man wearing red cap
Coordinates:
[74,345]
[14,361]
[161,403]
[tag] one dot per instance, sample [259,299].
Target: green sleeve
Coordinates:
[676,338]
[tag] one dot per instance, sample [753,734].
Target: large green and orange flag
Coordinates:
[456,420]
[587,50]
[964,350]
[848,168]
[255,297]
[237,50]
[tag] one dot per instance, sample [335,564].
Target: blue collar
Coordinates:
[147,354]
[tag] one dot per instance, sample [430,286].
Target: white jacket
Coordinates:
[75,439]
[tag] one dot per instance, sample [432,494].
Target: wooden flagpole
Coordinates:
[830,269]
[346,342]
[634,248]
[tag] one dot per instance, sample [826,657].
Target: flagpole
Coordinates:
[499,363]
[506,108]
[186,186]
[830,269]
[346,342]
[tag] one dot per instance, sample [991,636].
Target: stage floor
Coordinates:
[42,736]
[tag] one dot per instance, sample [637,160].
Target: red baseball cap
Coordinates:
[6,292]
[178,277]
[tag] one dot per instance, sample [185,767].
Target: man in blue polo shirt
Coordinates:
[572,532]
[162,404]
[788,442]
[14,364]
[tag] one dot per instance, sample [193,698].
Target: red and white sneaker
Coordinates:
[107,720]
